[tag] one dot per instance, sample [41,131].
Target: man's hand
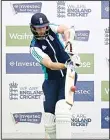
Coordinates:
[76,60]
[69,63]
[74,57]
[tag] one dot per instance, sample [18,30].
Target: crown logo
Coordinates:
[106,30]
[13,85]
[61,2]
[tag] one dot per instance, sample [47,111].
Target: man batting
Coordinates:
[47,48]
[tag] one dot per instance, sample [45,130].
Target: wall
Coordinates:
[22,95]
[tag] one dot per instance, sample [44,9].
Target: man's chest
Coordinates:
[50,46]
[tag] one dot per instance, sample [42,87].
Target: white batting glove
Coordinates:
[69,63]
[76,59]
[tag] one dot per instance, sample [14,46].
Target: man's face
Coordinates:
[41,31]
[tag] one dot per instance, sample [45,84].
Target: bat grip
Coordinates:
[70,46]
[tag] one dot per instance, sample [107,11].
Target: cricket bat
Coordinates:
[69,84]
[70,48]
[70,78]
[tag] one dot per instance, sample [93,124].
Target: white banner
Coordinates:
[22,96]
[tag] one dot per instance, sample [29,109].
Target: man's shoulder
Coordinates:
[53,24]
[33,42]
[53,27]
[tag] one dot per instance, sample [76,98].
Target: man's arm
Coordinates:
[44,59]
[52,65]
[65,30]
[68,32]
[69,35]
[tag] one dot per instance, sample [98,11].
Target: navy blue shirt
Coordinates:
[54,48]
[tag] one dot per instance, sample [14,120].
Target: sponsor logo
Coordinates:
[17,92]
[105,118]
[31,117]
[70,10]
[61,9]
[22,36]
[18,36]
[82,35]
[106,36]
[87,64]
[78,11]
[105,9]
[105,90]
[34,7]
[80,120]
[108,61]
[85,91]
[18,63]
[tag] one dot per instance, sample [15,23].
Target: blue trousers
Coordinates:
[54,90]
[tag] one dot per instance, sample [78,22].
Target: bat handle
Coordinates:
[70,46]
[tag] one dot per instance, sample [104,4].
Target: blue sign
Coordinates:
[105,9]
[105,118]
[22,63]
[34,7]
[31,117]
[82,35]
[85,91]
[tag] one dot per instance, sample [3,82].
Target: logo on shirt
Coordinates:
[44,47]
[51,38]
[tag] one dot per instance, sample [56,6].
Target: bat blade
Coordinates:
[69,86]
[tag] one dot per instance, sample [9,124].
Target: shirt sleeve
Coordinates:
[38,54]
[54,27]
